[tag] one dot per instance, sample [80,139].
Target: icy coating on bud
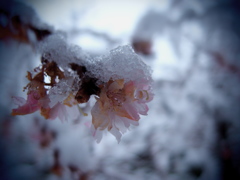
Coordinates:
[120,82]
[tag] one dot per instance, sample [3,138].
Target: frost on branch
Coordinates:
[120,82]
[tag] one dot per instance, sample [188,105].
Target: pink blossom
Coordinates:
[35,102]
[27,106]
[63,110]
[118,106]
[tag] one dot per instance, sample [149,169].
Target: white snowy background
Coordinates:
[192,128]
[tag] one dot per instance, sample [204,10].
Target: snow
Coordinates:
[55,48]
[121,63]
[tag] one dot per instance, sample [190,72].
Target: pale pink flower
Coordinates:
[35,102]
[65,109]
[118,106]
[27,106]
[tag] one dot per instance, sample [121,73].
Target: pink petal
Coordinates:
[116,85]
[100,118]
[59,110]
[53,114]
[120,125]
[30,106]
[135,123]
[97,134]
[116,133]
[142,108]
[18,100]
[62,114]
[131,111]
[129,87]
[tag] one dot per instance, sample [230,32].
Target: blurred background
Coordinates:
[192,131]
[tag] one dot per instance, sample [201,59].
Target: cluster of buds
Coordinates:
[57,91]
[52,91]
